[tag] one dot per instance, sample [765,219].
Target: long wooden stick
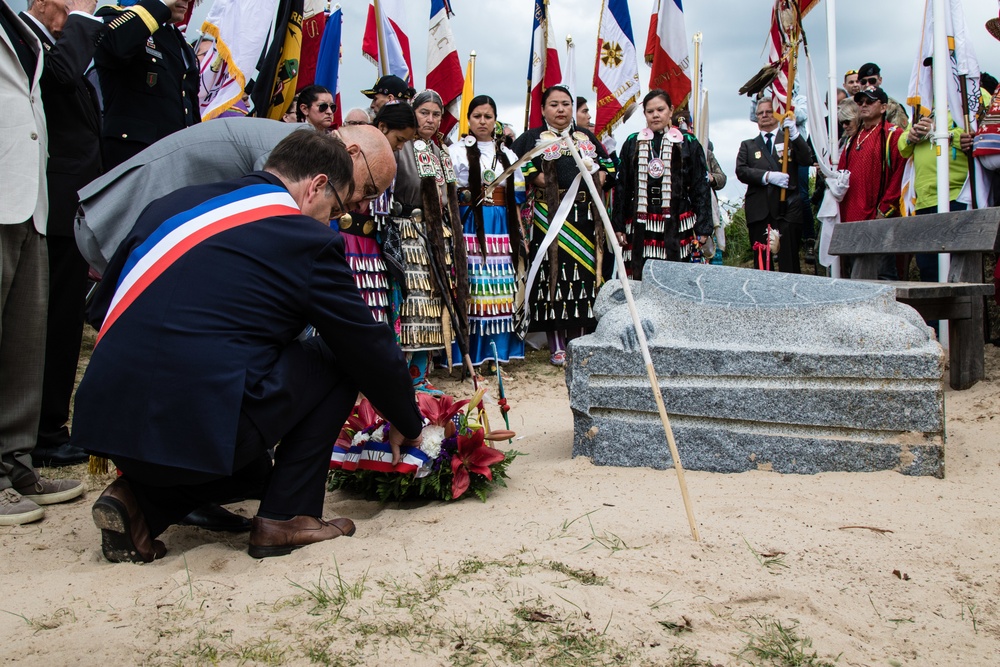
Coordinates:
[792,64]
[968,128]
[640,334]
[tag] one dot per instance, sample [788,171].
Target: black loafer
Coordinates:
[217,518]
[60,455]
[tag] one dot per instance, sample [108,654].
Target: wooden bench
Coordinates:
[966,235]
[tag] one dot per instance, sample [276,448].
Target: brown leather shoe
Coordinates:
[269,537]
[124,532]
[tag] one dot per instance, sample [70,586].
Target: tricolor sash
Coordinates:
[377,456]
[184,231]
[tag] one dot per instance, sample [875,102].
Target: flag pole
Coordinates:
[380,32]
[964,87]
[640,334]
[792,63]
[696,87]
[940,72]
[570,77]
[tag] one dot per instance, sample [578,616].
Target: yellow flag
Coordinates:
[468,92]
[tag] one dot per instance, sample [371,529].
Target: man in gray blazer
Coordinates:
[218,150]
[23,276]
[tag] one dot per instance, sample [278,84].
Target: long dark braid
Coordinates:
[513,219]
[476,188]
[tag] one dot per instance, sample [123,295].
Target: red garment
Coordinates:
[869,193]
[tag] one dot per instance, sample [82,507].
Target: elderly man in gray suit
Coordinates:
[217,150]
[23,276]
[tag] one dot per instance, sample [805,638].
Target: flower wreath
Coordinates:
[455,458]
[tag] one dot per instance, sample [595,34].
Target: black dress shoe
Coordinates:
[217,518]
[60,455]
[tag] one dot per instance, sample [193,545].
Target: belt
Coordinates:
[358,224]
[499,197]
[582,194]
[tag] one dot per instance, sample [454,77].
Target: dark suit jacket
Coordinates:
[167,381]
[72,116]
[149,79]
[763,202]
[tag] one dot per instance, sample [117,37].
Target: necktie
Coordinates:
[767,142]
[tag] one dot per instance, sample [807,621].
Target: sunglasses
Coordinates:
[371,190]
[850,72]
[326,106]
[865,101]
[355,122]
[870,81]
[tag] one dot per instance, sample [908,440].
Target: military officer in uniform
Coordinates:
[148,76]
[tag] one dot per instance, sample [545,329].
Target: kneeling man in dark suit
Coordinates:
[198,368]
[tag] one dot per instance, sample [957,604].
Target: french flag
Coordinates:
[444,70]
[543,67]
[397,44]
[328,61]
[667,51]
[616,72]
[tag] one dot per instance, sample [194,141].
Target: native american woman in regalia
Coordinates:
[363,229]
[662,202]
[492,229]
[428,223]
[564,278]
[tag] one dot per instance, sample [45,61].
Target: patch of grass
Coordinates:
[777,645]
[772,561]
[972,615]
[334,596]
[585,577]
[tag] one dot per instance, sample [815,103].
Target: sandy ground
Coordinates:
[572,564]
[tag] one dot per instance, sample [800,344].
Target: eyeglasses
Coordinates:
[869,81]
[371,189]
[355,122]
[326,106]
[865,101]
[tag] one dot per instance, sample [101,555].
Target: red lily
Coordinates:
[439,410]
[362,417]
[472,456]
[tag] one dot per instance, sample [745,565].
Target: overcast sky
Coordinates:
[734,31]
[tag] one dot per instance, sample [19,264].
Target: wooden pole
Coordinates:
[380,33]
[792,62]
[963,86]
[640,334]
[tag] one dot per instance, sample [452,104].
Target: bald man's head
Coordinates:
[374,162]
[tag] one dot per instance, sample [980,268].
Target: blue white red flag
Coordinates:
[667,51]
[543,65]
[396,42]
[616,70]
[328,60]
[179,234]
[444,70]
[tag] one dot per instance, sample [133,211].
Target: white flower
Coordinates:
[378,435]
[433,436]
[359,439]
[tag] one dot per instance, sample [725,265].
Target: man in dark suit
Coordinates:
[148,75]
[68,32]
[758,164]
[198,369]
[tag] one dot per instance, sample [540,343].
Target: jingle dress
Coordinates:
[423,175]
[563,291]
[662,198]
[493,259]
[361,245]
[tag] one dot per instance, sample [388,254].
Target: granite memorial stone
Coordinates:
[759,370]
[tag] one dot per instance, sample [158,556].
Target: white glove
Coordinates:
[793,129]
[776,178]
